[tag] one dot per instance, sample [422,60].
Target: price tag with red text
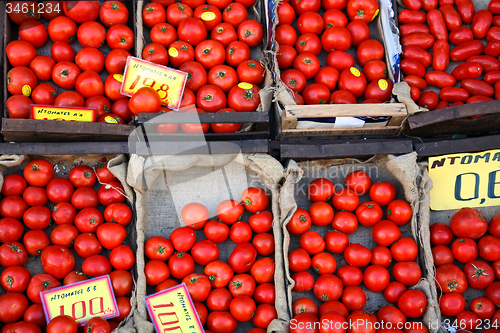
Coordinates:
[173,310]
[81,300]
[169,83]
[65,113]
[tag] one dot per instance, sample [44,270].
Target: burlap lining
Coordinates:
[402,170]
[143,175]
[62,166]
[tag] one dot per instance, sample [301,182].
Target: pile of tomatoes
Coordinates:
[424,26]
[211,40]
[80,234]
[82,51]
[330,34]
[319,274]
[467,255]
[238,289]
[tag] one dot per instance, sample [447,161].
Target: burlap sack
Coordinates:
[62,166]
[161,184]
[403,171]
[428,217]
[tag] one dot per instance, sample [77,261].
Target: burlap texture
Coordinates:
[62,166]
[403,171]
[428,217]
[154,180]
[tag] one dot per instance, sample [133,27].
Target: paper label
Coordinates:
[244,85]
[118,77]
[465,180]
[207,16]
[382,84]
[81,300]
[169,83]
[376,13]
[26,90]
[172,310]
[110,120]
[173,52]
[355,71]
[64,113]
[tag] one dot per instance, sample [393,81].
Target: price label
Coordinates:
[81,300]
[169,83]
[64,113]
[465,180]
[172,310]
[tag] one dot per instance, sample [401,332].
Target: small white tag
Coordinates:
[348,122]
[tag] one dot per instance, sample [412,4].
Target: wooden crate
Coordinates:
[451,146]
[289,115]
[455,120]
[30,130]
[256,123]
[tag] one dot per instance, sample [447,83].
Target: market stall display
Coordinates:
[91,233]
[358,237]
[220,45]
[334,52]
[66,54]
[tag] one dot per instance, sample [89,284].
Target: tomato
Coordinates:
[305,6]
[145,99]
[176,13]
[181,264]
[346,222]
[350,275]
[357,255]
[304,305]
[450,278]
[311,22]
[312,242]
[465,50]
[327,287]
[424,41]
[493,292]
[465,9]
[393,291]
[122,257]
[336,241]
[15,279]
[192,30]
[285,56]
[381,90]
[263,270]
[12,307]
[120,108]
[489,248]
[251,72]
[112,13]
[42,67]
[382,192]
[464,249]
[97,325]
[84,197]
[223,77]
[353,81]
[163,33]
[89,84]
[103,108]
[110,193]
[211,98]
[303,281]
[437,25]
[454,94]
[375,70]
[200,309]
[21,80]
[414,28]
[209,15]
[264,315]
[242,285]
[264,243]
[156,271]
[224,33]
[219,299]
[321,213]
[332,18]
[63,323]
[152,14]
[307,63]
[482,307]
[327,76]
[417,54]
[11,230]
[220,321]
[225,127]
[244,98]
[237,52]
[35,241]
[369,49]
[155,53]
[412,303]
[37,217]
[451,304]
[477,87]
[286,13]
[69,98]
[294,79]
[38,283]
[57,261]
[242,257]
[408,273]
[18,15]
[336,38]
[19,106]
[64,235]
[59,190]
[442,255]
[376,278]
[411,16]
[488,63]
[88,219]
[468,222]
[385,232]
[198,286]
[197,75]
[234,14]
[32,32]
[13,206]
[96,265]
[300,222]
[120,36]
[216,231]
[299,260]
[316,93]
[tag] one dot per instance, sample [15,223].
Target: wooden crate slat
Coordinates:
[213,147]
[64,148]
[345,110]
[468,145]
[179,118]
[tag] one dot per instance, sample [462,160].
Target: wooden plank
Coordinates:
[452,146]
[170,137]
[233,117]
[344,110]
[64,148]
[455,112]
[388,130]
[187,147]
[345,148]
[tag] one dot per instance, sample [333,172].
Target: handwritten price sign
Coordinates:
[168,83]
[172,310]
[50,112]
[465,180]
[81,300]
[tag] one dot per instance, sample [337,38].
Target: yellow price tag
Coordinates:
[81,300]
[169,83]
[465,180]
[375,15]
[355,71]
[118,77]
[64,113]
[207,16]
[26,90]
[382,84]
[110,120]
[173,52]
[244,85]
[172,310]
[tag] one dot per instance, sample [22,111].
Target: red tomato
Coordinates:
[286,13]
[156,272]
[38,283]
[35,315]
[216,231]
[37,217]
[408,273]
[464,249]
[299,260]
[102,106]
[198,286]
[120,36]
[264,243]
[88,219]
[64,235]
[220,321]
[299,223]
[412,303]
[219,299]
[155,53]
[336,242]
[33,32]
[57,261]
[381,255]
[62,29]
[237,52]
[450,278]
[219,273]
[304,281]
[86,245]
[294,79]
[204,252]
[357,255]
[242,257]
[235,14]
[376,278]
[451,304]
[110,193]
[327,287]
[353,81]
[21,80]
[15,279]
[242,285]
[122,257]
[18,15]
[305,6]
[84,197]
[312,242]
[286,56]
[350,275]
[261,222]
[442,255]
[345,222]
[321,213]
[96,265]
[393,291]
[11,230]
[468,222]
[385,233]
[336,38]
[192,30]
[35,241]
[229,211]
